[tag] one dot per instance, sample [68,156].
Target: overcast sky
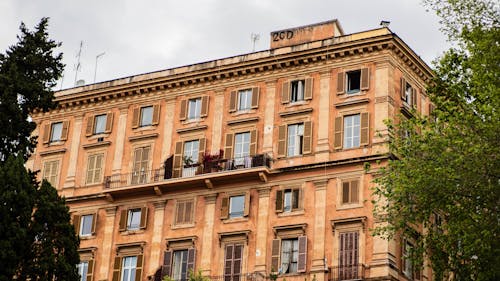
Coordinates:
[139,36]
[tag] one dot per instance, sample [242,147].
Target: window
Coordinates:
[179,265]
[190,157]
[184,211]
[408,93]
[56,131]
[289,254]
[353,81]
[350,191]
[233,256]
[187,157]
[407,264]
[295,139]
[348,255]
[134,219]
[50,171]
[178,262]
[141,165]
[194,108]
[245,99]
[235,206]
[297,90]
[83,268]
[86,225]
[146,116]
[129,268]
[241,147]
[288,200]
[94,168]
[351,131]
[100,124]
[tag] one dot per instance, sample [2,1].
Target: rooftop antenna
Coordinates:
[385,23]
[254,37]
[78,66]
[96,58]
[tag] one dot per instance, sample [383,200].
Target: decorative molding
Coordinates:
[210,198]
[384,99]
[96,144]
[181,242]
[353,220]
[291,229]
[160,204]
[191,129]
[51,152]
[352,102]
[264,192]
[243,120]
[143,137]
[286,114]
[234,236]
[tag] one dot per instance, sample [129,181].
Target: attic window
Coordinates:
[353,81]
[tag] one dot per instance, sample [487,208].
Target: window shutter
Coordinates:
[238,254]
[279,201]
[64,131]
[354,191]
[232,101]
[94,223]
[138,268]
[91,168]
[156,114]
[177,159]
[228,150]
[302,260]
[117,268]
[340,83]
[183,112]
[253,142]
[201,153]
[414,97]
[285,92]
[307,142]
[167,264]
[403,88]
[255,97]
[89,130]
[228,262]
[275,255]
[179,212]
[135,117]
[296,199]
[109,122]
[123,220]
[144,217]
[364,138]
[246,208]
[204,106]
[90,270]
[98,168]
[282,141]
[76,223]
[224,208]
[191,260]
[46,133]
[188,211]
[338,133]
[365,78]
[345,192]
[308,93]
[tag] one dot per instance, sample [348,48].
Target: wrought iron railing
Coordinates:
[347,272]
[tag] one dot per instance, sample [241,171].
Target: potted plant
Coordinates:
[211,162]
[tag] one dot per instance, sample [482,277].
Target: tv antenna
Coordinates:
[254,37]
[78,66]
[96,58]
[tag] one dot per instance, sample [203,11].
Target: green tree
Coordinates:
[37,241]
[446,174]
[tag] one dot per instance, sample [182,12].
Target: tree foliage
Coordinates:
[446,174]
[37,241]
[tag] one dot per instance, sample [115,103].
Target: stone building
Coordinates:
[238,167]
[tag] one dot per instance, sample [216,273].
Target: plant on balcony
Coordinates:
[187,160]
[211,162]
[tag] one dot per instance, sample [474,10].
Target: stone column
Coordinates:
[261,235]
[384,103]
[322,147]
[168,129]
[156,240]
[207,242]
[106,246]
[73,153]
[270,98]
[318,245]
[217,122]
[120,140]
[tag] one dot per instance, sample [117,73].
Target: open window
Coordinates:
[297,90]
[194,108]
[85,225]
[289,250]
[128,262]
[235,206]
[187,157]
[146,116]
[179,259]
[55,132]
[408,94]
[243,100]
[353,82]
[99,124]
[295,139]
[133,219]
[352,130]
[288,200]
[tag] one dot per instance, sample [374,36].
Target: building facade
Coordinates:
[247,167]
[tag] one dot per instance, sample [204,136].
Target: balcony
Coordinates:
[347,272]
[207,173]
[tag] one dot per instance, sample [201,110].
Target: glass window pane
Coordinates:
[242,145]
[287,201]
[236,206]
[56,131]
[146,116]
[134,219]
[86,225]
[100,124]
[194,108]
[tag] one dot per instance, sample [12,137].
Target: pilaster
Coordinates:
[168,128]
[261,230]
[318,251]
[322,147]
[73,153]
[269,117]
[217,121]
[107,242]
[207,244]
[156,240]
[120,141]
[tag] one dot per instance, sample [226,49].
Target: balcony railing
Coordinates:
[169,172]
[347,272]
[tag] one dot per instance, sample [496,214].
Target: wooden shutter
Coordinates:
[403,88]
[177,159]
[76,223]
[109,122]
[279,201]
[302,260]
[275,255]
[345,192]
[94,223]
[282,141]
[348,255]
[46,133]
[224,207]
[285,92]
[167,264]
[90,168]
[98,168]
[183,112]
[135,117]
[253,142]
[340,83]
[123,220]
[144,217]
[64,131]
[156,114]
[179,212]
[307,141]
[191,260]
[255,97]
[201,153]
[188,211]
[365,78]
[204,106]
[233,101]
[89,130]
[354,191]
[414,97]
[296,199]
[246,208]
[228,149]
[338,133]
[117,269]
[308,91]
[364,138]
[90,270]
[237,257]
[138,268]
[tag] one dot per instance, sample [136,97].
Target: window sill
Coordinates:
[94,184]
[87,237]
[55,143]
[244,111]
[291,213]
[56,151]
[235,220]
[192,120]
[349,206]
[145,128]
[297,103]
[132,231]
[98,135]
[181,226]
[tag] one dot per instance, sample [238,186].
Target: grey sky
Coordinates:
[150,35]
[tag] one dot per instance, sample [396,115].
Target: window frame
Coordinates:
[245,95]
[353,128]
[142,116]
[244,145]
[53,178]
[351,78]
[130,268]
[297,90]
[83,270]
[53,131]
[296,198]
[240,212]
[83,224]
[225,206]
[289,233]
[130,217]
[125,218]
[103,119]
[96,174]
[194,106]
[297,137]
[178,204]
